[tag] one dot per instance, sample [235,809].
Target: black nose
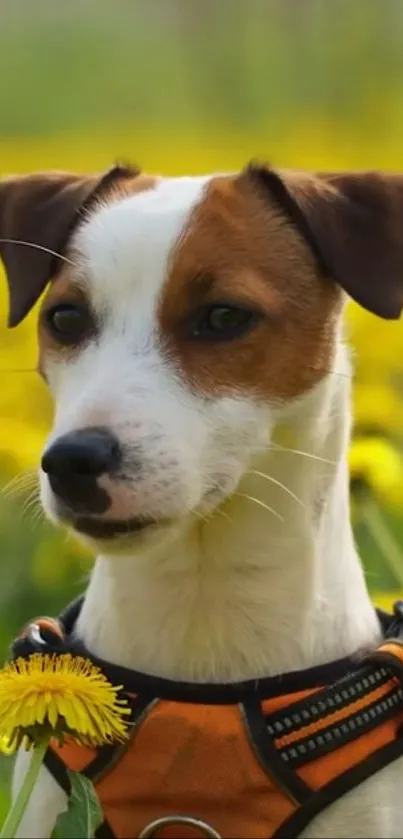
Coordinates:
[75,461]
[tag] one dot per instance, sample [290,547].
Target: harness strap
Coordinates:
[336,715]
[102,763]
[270,758]
[322,798]
[51,635]
[390,654]
[361,696]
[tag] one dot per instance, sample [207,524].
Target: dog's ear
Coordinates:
[37,214]
[353,223]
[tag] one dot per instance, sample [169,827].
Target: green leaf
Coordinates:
[83,814]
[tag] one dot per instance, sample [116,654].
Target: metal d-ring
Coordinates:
[150,830]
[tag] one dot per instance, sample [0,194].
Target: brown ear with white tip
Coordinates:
[353,222]
[37,215]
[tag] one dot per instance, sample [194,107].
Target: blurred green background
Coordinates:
[191,86]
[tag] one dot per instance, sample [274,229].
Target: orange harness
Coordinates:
[258,759]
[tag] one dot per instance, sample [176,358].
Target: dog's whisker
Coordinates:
[35,512]
[30,479]
[30,504]
[37,520]
[219,512]
[20,483]
[279,448]
[33,496]
[279,484]
[34,516]
[33,493]
[20,477]
[207,517]
[329,372]
[13,487]
[6,241]
[200,516]
[260,504]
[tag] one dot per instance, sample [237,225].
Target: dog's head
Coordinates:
[181,316]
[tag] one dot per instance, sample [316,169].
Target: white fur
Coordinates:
[234,588]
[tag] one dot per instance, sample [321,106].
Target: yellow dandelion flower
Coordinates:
[377,463]
[378,405]
[58,695]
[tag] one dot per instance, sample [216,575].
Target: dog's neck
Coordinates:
[250,591]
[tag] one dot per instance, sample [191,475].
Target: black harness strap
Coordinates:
[108,756]
[330,793]
[272,762]
[339,713]
[58,769]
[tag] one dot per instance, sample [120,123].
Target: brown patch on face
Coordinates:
[239,248]
[130,186]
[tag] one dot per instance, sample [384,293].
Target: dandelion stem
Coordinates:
[19,805]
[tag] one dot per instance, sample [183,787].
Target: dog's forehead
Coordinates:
[157,253]
[124,246]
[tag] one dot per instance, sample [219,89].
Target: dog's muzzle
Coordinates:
[75,462]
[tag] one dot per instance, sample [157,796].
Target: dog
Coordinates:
[191,333]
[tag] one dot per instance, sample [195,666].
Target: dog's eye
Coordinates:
[223,322]
[69,323]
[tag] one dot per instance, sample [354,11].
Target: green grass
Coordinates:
[4,792]
[92,63]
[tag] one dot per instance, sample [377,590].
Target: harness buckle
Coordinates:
[44,635]
[172,821]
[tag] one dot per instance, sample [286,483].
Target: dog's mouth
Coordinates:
[110,529]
